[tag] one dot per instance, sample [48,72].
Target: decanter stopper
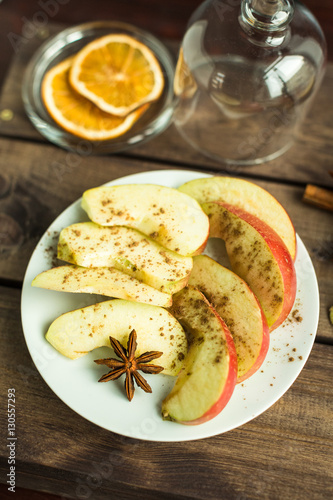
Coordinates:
[267,14]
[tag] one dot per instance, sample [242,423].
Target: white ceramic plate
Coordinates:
[75,382]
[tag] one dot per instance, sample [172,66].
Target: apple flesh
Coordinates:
[100,280]
[89,245]
[78,332]
[173,219]
[249,197]
[237,305]
[207,380]
[258,255]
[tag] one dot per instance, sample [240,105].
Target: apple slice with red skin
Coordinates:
[259,256]
[207,380]
[247,196]
[237,305]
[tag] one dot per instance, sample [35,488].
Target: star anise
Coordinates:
[130,365]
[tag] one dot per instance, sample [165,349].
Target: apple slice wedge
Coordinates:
[259,256]
[207,380]
[78,332]
[100,280]
[89,245]
[173,219]
[237,305]
[248,196]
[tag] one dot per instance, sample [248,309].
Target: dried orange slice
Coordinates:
[78,115]
[183,83]
[117,73]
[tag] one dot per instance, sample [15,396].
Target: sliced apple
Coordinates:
[78,332]
[237,305]
[248,196]
[89,245]
[259,256]
[173,219]
[100,280]
[206,383]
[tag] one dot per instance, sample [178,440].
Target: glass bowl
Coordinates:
[70,41]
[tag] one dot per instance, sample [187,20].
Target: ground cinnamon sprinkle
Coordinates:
[296,315]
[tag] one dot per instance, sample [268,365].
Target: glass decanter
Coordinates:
[246,74]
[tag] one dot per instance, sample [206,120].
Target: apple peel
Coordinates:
[258,255]
[239,308]
[248,196]
[207,381]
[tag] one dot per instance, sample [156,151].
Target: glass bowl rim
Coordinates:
[53,132]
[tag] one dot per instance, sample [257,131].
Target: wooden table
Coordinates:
[286,453]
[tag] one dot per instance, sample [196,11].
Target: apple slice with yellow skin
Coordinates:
[78,332]
[205,384]
[237,305]
[100,280]
[173,219]
[259,256]
[88,244]
[249,197]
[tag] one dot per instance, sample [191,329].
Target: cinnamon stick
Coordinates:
[320,197]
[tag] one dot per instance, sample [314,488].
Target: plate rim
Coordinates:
[201,434]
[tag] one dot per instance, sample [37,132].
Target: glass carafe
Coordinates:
[246,74]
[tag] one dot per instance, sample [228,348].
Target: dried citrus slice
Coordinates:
[184,83]
[117,73]
[78,115]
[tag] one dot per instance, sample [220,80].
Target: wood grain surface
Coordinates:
[285,453]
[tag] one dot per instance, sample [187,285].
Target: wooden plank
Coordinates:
[23,494]
[308,161]
[284,453]
[37,182]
